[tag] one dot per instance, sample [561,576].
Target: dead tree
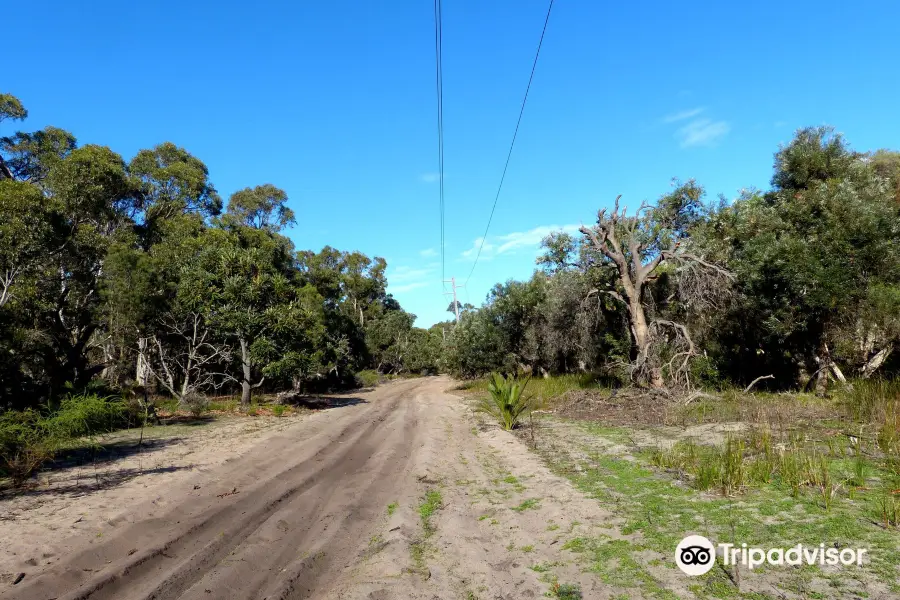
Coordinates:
[185,359]
[636,251]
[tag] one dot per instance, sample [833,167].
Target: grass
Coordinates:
[543,390]
[30,438]
[418,549]
[431,503]
[565,591]
[531,503]
[795,497]
[392,508]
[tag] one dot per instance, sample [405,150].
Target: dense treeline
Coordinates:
[800,282]
[136,276]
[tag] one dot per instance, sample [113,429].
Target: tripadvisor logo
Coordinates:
[695,555]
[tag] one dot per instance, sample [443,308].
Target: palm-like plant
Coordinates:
[507,402]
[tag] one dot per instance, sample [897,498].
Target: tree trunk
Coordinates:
[823,361]
[142,371]
[876,361]
[641,332]
[245,365]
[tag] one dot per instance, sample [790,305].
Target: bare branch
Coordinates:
[757,380]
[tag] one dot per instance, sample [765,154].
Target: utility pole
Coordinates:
[452,282]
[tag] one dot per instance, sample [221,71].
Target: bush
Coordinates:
[367,378]
[506,402]
[195,402]
[24,444]
[86,414]
[28,439]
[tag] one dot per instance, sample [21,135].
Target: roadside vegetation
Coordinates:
[727,367]
[768,469]
[132,287]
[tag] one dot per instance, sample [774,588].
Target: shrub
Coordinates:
[506,402]
[278,410]
[367,378]
[29,439]
[24,444]
[86,414]
[195,402]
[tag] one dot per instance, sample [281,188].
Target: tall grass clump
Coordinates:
[28,438]
[83,415]
[873,400]
[506,401]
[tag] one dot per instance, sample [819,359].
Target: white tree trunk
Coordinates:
[876,361]
[245,366]
[142,371]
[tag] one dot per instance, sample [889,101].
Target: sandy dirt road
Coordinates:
[329,508]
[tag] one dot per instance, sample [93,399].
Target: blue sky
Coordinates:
[335,103]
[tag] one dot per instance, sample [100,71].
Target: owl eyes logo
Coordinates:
[695,555]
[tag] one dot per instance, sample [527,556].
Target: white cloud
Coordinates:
[406,287]
[683,115]
[702,132]
[473,251]
[430,177]
[427,252]
[517,240]
[408,274]
[532,237]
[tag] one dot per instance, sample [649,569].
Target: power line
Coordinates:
[513,143]
[439,76]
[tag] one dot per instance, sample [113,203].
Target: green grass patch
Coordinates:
[427,508]
[763,507]
[531,503]
[543,390]
[565,591]
[392,508]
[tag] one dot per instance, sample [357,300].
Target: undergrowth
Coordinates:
[30,438]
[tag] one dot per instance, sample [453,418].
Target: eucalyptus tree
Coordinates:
[639,249]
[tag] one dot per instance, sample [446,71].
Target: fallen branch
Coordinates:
[757,380]
[698,394]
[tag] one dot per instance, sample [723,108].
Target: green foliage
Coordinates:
[262,207]
[11,108]
[130,273]
[430,504]
[566,591]
[873,400]
[28,438]
[368,378]
[530,503]
[506,402]
[86,414]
